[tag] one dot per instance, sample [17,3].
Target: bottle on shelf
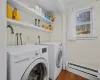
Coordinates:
[38,22]
[52,18]
[44,26]
[16,15]
[50,27]
[9,11]
[47,16]
[47,27]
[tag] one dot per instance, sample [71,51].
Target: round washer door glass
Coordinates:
[36,71]
[59,59]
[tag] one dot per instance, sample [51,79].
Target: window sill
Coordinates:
[82,38]
[86,38]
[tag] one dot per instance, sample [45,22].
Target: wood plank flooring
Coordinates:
[65,75]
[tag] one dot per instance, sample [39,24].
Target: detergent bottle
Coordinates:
[9,11]
[16,14]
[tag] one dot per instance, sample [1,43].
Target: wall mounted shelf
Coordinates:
[23,8]
[26,25]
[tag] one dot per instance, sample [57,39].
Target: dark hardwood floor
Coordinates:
[65,75]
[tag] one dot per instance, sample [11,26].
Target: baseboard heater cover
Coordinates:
[82,69]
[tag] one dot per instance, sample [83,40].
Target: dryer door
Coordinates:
[38,70]
[59,59]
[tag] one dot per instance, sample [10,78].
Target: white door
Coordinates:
[38,70]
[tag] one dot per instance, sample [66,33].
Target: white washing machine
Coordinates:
[28,62]
[55,59]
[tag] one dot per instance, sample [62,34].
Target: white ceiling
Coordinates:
[51,5]
[71,2]
[48,5]
[67,3]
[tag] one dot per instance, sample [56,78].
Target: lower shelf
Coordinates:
[27,25]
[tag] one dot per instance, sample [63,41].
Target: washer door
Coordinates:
[59,59]
[36,71]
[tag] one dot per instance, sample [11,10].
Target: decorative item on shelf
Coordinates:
[38,9]
[50,27]
[44,26]
[43,14]
[47,16]
[9,11]
[16,15]
[52,18]
[47,27]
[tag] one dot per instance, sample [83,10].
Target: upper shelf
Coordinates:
[27,25]
[27,10]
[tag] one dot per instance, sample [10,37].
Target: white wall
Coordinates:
[3,59]
[27,32]
[57,32]
[86,52]
[56,35]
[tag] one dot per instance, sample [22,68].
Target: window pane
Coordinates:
[83,29]
[83,17]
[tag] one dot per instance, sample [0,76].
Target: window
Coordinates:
[84,23]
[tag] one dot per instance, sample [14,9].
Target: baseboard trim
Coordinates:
[83,72]
[84,67]
[88,73]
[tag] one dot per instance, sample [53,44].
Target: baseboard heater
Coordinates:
[82,69]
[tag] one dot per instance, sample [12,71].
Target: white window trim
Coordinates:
[84,23]
[90,36]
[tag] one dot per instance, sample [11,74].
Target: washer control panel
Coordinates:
[44,50]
